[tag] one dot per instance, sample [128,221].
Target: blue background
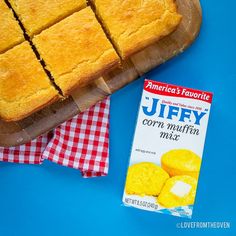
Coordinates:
[54,200]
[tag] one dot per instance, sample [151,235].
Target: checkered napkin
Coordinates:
[81,143]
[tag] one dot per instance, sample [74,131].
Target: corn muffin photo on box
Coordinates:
[40,14]
[10,31]
[76,50]
[182,186]
[167,149]
[135,24]
[24,86]
[181,162]
[136,182]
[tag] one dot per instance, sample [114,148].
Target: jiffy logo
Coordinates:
[170,112]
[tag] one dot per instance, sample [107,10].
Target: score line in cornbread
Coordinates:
[40,14]
[10,31]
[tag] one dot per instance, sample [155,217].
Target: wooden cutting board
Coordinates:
[16,133]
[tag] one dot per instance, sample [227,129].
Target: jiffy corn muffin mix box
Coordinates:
[167,149]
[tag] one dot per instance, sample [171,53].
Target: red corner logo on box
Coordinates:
[176,91]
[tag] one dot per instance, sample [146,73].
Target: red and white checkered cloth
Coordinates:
[81,143]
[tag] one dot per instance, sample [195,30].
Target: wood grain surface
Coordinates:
[16,133]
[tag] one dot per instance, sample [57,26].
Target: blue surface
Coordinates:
[53,200]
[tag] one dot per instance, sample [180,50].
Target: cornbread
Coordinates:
[181,162]
[10,31]
[40,14]
[76,50]
[145,179]
[135,24]
[24,86]
[178,191]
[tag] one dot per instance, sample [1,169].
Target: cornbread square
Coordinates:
[10,31]
[135,24]
[40,14]
[24,86]
[76,50]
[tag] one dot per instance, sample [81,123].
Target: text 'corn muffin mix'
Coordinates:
[167,149]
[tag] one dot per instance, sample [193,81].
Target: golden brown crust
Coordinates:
[86,80]
[40,14]
[10,31]
[135,24]
[76,50]
[24,86]
[20,117]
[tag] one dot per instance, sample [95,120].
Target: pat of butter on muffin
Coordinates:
[181,189]
[178,191]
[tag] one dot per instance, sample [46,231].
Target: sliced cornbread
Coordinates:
[10,31]
[38,15]
[76,50]
[135,24]
[24,86]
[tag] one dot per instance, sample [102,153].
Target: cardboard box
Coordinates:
[167,149]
